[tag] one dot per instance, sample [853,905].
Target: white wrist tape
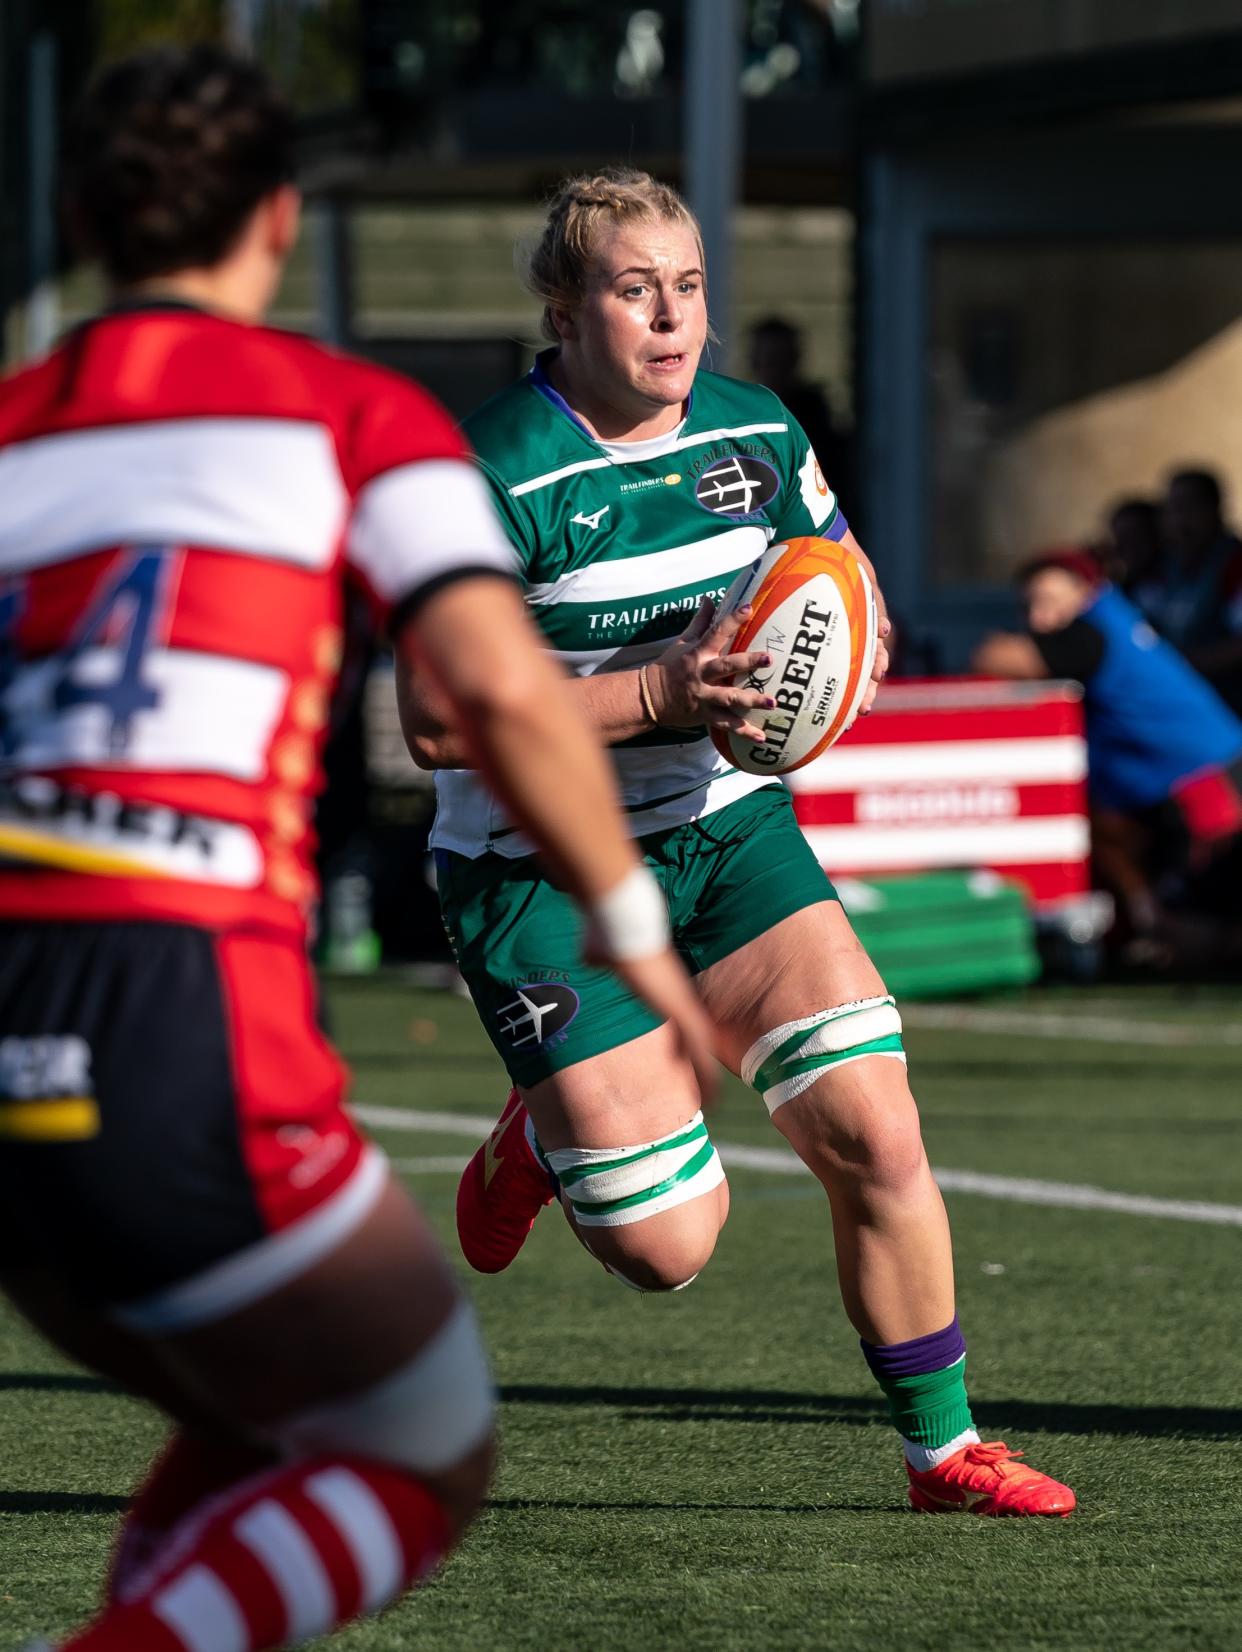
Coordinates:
[630,921]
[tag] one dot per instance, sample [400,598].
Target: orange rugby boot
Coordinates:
[987,1479]
[502,1190]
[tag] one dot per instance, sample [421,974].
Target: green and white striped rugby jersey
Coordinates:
[616,543]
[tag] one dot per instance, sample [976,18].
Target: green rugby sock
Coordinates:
[930,1409]
[924,1382]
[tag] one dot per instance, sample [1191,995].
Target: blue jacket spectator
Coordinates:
[1161,743]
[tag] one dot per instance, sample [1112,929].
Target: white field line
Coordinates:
[1022,1190]
[448,1165]
[1096,1029]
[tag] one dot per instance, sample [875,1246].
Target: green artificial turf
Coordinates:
[713,1470]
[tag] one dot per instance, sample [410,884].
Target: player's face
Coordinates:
[640,329]
[1053,598]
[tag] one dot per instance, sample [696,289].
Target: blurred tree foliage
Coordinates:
[311,47]
[123,25]
[399,57]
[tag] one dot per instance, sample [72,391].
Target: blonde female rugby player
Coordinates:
[634,485]
[185,1202]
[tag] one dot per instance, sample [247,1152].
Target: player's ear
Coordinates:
[284,211]
[563,322]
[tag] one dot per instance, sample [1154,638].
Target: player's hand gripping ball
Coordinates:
[813,609]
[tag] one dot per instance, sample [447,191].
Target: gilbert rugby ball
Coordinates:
[814,612]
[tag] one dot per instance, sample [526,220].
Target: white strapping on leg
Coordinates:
[834,1036]
[614,1186]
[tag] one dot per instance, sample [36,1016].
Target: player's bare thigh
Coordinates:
[84,1335]
[353,1318]
[345,1323]
[809,962]
[636,1093]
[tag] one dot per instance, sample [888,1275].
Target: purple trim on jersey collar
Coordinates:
[543,384]
[918,1357]
[538,377]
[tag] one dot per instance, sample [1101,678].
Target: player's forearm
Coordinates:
[551,774]
[517,722]
[611,705]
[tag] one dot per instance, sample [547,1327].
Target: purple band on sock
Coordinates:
[918,1356]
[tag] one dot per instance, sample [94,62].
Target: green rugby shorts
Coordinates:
[728,878]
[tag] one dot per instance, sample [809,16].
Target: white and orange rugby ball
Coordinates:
[814,612]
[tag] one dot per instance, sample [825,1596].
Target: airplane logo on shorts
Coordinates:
[540,1013]
[532,1012]
[594,520]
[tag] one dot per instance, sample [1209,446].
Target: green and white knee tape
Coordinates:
[789,1059]
[613,1186]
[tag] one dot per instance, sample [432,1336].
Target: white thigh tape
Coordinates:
[426,1416]
[789,1059]
[613,1186]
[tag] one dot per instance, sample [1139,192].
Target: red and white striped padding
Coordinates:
[278,1560]
[313,1551]
[956,774]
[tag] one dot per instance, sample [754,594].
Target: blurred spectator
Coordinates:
[1194,597]
[776,360]
[1164,753]
[1136,546]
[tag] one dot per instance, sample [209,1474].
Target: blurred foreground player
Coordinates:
[635,486]
[184,1203]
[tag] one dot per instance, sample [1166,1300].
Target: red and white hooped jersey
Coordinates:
[183,499]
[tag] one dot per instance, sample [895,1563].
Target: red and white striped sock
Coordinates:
[279,1559]
[190,1468]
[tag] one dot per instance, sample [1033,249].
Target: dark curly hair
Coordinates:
[168,154]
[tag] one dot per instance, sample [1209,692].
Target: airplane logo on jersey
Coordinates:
[540,1014]
[737,486]
[594,520]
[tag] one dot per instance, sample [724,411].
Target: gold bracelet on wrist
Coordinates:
[644,694]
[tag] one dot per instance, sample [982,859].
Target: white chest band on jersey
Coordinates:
[789,1059]
[611,1187]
